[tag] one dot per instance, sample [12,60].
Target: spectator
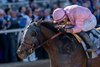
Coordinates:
[8,16]
[97,13]
[14,20]
[22,20]
[33,5]
[2,36]
[47,16]
[12,0]
[36,14]
[28,15]
[75,2]
[55,5]
[67,3]
[88,5]
[22,11]
[13,36]
[2,20]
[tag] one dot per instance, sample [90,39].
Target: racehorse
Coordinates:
[63,48]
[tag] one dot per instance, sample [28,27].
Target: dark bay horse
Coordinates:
[63,50]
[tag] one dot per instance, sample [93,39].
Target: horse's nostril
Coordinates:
[21,54]
[18,52]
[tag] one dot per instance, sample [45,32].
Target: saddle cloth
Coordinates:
[95,37]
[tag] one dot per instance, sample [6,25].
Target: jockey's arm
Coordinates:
[79,24]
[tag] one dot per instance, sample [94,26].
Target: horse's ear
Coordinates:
[39,22]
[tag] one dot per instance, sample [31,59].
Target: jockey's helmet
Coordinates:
[58,15]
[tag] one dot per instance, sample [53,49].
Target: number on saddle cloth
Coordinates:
[95,37]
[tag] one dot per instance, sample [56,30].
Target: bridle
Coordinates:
[34,47]
[40,45]
[51,38]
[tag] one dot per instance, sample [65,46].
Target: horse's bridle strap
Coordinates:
[54,36]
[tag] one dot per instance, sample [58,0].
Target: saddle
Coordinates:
[95,37]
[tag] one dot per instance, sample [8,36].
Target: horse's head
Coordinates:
[39,34]
[32,37]
[29,40]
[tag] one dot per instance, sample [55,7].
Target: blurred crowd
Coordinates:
[20,18]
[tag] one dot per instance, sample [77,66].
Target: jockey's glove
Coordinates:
[69,30]
[62,30]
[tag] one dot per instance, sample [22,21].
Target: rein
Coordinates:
[51,38]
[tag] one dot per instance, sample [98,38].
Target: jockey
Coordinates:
[80,18]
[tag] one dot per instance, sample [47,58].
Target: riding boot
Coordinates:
[88,41]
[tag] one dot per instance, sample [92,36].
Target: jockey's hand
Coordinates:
[60,26]
[69,30]
[62,30]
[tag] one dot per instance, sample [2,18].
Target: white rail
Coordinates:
[13,30]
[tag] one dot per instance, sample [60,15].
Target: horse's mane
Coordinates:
[64,38]
[50,26]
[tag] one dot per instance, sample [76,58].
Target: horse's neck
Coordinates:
[49,47]
[47,32]
[59,54]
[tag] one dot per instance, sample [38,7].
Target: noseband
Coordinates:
[51,38]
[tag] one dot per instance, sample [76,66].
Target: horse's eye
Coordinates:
[33,34]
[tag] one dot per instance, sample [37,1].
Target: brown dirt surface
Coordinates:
[39,63]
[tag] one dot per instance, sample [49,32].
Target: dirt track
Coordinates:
[40,63]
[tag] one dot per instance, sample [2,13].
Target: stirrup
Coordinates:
[92,53]
[91,50]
